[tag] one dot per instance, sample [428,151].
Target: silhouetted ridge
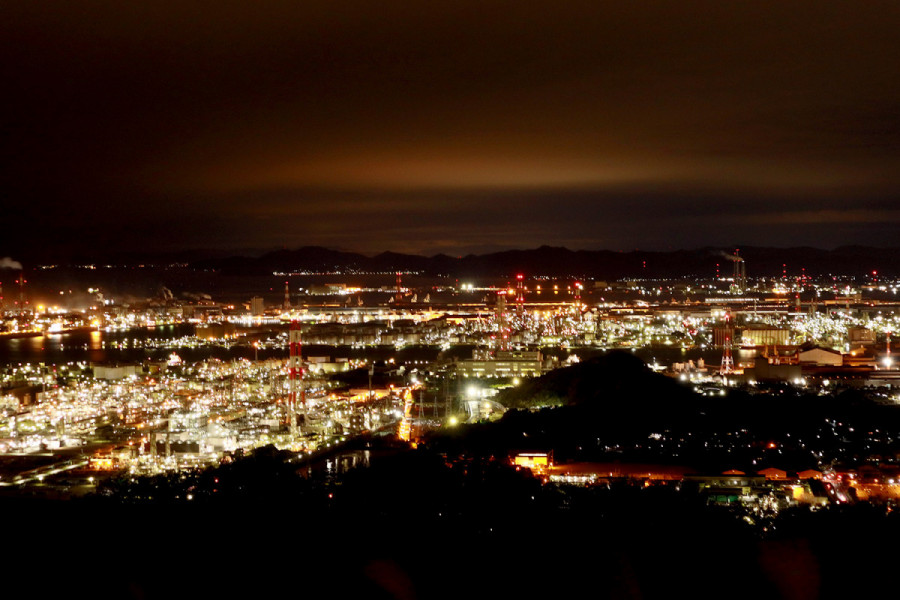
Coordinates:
[561,262]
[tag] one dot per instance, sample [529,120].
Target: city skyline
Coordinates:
[449,128]
[445,299]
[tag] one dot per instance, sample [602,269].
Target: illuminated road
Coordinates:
[38,474]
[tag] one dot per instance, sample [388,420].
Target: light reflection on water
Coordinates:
[87,345]
[126,346]
[96,339]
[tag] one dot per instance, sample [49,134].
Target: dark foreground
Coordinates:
[413,526]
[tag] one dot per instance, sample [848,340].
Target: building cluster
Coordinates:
[99,419]
[170,414]
[762,493]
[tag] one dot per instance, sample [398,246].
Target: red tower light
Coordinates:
[520,295]
[295,374]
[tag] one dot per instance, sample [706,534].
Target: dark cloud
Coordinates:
[450,125]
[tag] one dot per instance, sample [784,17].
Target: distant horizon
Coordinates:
[855,261]
[223,253]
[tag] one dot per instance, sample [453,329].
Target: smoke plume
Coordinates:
[8,263]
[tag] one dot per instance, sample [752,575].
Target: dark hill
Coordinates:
[600,402]
[618,379]
[562,262]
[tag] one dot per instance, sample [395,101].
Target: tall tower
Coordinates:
[399,296]
[296,377]
[21,282]
[727,360]
[287,297]
[502,328]
[579,307]
[888,360]
[520,296]
[740,271]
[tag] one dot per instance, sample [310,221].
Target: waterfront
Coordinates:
[139,344]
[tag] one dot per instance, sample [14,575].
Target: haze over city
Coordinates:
[449,299]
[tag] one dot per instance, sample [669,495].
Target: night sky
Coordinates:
[448,126]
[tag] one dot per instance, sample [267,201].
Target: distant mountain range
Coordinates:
[549,261]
